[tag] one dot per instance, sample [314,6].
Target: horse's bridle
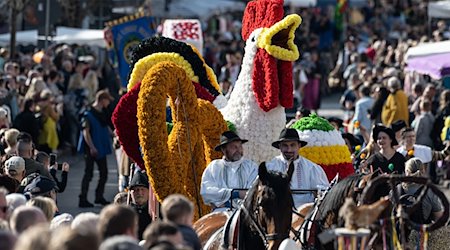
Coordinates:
[262,234]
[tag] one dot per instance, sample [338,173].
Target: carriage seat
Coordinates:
[231,231]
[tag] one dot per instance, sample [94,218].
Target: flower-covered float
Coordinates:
[164,69]
[325,147]
[264,86]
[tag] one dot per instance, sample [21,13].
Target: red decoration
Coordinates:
[272,81]
[265,80]
[344,170]
[124,119]
[203,93]
[286,84]
[259,14]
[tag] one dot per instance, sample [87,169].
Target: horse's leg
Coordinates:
[208,225]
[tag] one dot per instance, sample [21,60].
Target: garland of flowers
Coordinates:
[212,125]
[174,161]
[209,71]
[153,132]
[192,56]
[143,65]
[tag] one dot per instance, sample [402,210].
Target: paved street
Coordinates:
[68,201]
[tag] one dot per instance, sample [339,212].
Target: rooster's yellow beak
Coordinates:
[278,40]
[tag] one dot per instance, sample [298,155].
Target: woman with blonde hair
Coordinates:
[48,137]
[431,206]
[47,205]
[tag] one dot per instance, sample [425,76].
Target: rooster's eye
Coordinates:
[253,39]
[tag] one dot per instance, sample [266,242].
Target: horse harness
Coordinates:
[261,232]
[306,233]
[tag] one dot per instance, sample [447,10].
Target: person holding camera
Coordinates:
[49,161]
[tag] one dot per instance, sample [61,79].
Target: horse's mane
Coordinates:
[277,183]
[336,196]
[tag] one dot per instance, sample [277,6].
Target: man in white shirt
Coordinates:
[307,175]
[231,172]
[426,155]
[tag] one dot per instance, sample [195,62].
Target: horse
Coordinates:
[363,189]
[263,220]
[313,218]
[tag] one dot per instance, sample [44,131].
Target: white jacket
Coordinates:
[221,176]
[307,175]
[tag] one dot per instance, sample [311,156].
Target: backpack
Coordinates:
[408,200]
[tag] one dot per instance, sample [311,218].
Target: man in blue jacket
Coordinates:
[95,143]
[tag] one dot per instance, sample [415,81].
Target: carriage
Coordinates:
[374,223]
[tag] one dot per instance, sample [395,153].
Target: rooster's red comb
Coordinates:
[261,13]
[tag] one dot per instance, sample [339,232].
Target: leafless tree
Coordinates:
[15,7]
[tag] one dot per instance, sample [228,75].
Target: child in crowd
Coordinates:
[178,209]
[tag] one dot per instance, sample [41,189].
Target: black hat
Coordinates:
[336,120]
[139,179]
[389,131]
[227,137]
[398,125]
[351,138]
[288,134]
[40,185]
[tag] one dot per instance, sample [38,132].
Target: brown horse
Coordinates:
[323,215]
[365,190]
[263,221]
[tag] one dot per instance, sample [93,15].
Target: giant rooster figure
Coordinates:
[164,68]
[264,86]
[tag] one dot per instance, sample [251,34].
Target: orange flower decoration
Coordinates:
[411,152]
[356,124]
[363,156]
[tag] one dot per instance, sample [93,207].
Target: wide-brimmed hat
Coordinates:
[398,125]
[336,120]
[389,131]
[351,138]
[227,137]
[288,134]
[139,179]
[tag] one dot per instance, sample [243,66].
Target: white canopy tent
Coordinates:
[301,3]
[426,49]
[63,35]
[439,9]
